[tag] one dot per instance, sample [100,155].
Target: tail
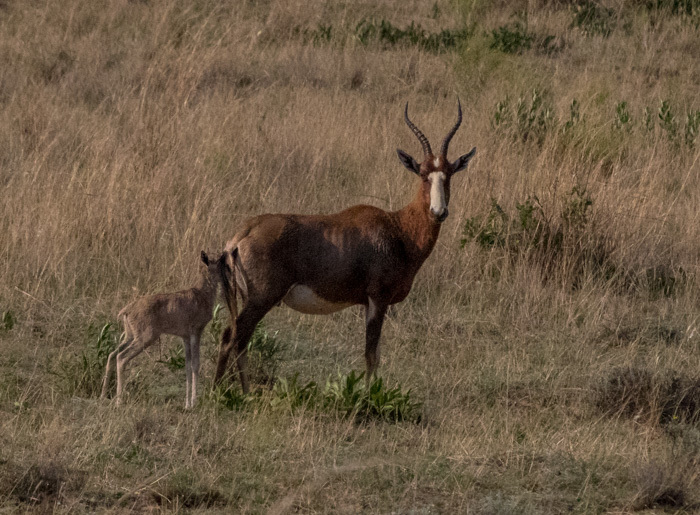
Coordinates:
[230,288]
[122,317]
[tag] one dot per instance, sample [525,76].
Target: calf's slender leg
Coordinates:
[188,370]
[194,345]
[110,366]
[136,347]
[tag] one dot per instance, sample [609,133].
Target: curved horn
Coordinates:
[448,138]
[421,137]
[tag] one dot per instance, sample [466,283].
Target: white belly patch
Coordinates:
[303,299]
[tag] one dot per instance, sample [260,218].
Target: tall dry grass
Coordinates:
[134,134]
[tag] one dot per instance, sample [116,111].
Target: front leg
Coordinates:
[188,367]
[194,369]
[225,349]
[374,318]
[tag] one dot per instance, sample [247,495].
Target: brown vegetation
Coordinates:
[559,304]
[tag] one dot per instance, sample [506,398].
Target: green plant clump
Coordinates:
[346,394]
[527,121]
[85,375]
[8,321]
[387,33]
[512,39]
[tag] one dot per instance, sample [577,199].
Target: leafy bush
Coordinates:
[574,115]
[667,120]
[525,121]
[8,321]
[512,39]
[175,360]
[293,394]
[678,7]
[229,396]
[321,34]
[347,394]
[622,115]
[692,127]
[385,32]
[563,242]
[351,395]
[516,37]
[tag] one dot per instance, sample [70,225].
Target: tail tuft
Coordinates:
[228,284]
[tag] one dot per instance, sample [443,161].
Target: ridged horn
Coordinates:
[427,151]
[448,138]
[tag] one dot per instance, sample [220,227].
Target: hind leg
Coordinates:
[110,367]
[188,369]
[110,363]
[136,347]
[194,369]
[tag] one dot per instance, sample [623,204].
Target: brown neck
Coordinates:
[206,288]
[420,229]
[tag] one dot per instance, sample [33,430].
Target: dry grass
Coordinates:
[133,135]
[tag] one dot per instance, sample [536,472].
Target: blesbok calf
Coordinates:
[183,313]
[324,263]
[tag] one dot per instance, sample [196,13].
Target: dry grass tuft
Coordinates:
[654,396]
[661,486]
[45,483]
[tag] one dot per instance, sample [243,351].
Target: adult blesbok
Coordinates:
[319,264]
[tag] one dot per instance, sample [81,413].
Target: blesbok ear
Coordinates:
[408,161]
[462,161]
[205,258]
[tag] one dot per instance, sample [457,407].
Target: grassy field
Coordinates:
[547,359]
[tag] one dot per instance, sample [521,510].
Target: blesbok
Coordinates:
[184,313]
[319,264]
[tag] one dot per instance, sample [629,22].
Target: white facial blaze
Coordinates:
[437,192]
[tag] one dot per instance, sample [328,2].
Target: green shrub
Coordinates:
[414,35]
[525,121]
[229,396]
[667,120]
[294,395]
[677,7]
[321,34]
[692,127]
[346,394]
[350,395]
[565,242]
[512,39]
[175,360]
[574,115]
[8,321]
[622,115]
